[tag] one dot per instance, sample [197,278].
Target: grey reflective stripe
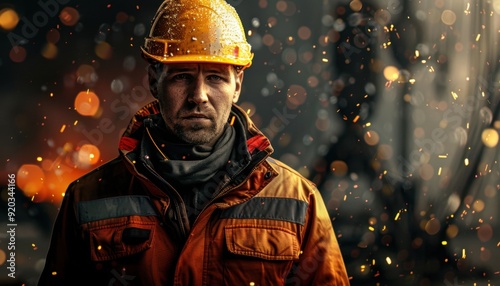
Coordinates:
[271,160]
[285,209]
[114,207]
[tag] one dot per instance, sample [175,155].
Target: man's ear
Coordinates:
[239,82]
[153,80]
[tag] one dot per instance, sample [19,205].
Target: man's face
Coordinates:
[195,99]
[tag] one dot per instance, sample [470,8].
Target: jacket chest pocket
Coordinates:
[120,239]
[259,254]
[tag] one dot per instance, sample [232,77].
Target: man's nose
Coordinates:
[199,91]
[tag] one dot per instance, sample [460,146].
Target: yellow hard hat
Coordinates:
[197,31]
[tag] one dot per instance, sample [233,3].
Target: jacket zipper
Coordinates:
[164,206]
[179,226]
[177,216]
[226,189]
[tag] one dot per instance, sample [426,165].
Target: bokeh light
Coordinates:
[104,50]
[496,6]
[281,5]
[121,17]
[296,96]
[88,154]
[30,179]
[8,19]
[289,56]
[490,137]
[452,231]
[87,103]
[86,74]
[371,137]
[426,171]
[356,5]
[478,205]
[432,226]
[18,54]
[304,32]
[57,180]
[490,191]
[49,51]
[53,36]
[391,73]
[485,232]
[385,152]
[339,168]
[448,17]
[3,257]
[69,16]
[383,17]
[268,39]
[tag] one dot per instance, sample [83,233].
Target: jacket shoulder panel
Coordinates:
[288,183]
[115,163]
[108,180]
[284,168]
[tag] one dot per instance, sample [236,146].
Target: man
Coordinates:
[194,197]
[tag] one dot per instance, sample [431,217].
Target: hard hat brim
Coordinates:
[217,59]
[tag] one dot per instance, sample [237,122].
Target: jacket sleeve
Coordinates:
[64,263]
[320,261]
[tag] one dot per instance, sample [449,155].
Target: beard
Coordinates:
[204,132]
[196,134]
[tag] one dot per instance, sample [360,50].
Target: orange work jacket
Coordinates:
[267,226]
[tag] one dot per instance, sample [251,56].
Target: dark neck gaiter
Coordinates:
[188,164]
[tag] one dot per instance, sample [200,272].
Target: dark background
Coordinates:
[390,107]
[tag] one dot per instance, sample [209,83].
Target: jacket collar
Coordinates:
[256,140]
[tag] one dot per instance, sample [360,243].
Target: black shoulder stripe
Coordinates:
[286,209]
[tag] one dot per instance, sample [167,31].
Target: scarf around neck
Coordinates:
[187,164]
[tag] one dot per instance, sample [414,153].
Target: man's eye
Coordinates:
[214,78]
[181,77]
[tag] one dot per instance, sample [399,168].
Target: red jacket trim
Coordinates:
[257,142]
[128,144]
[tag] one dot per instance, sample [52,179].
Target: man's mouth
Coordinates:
[196,117]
